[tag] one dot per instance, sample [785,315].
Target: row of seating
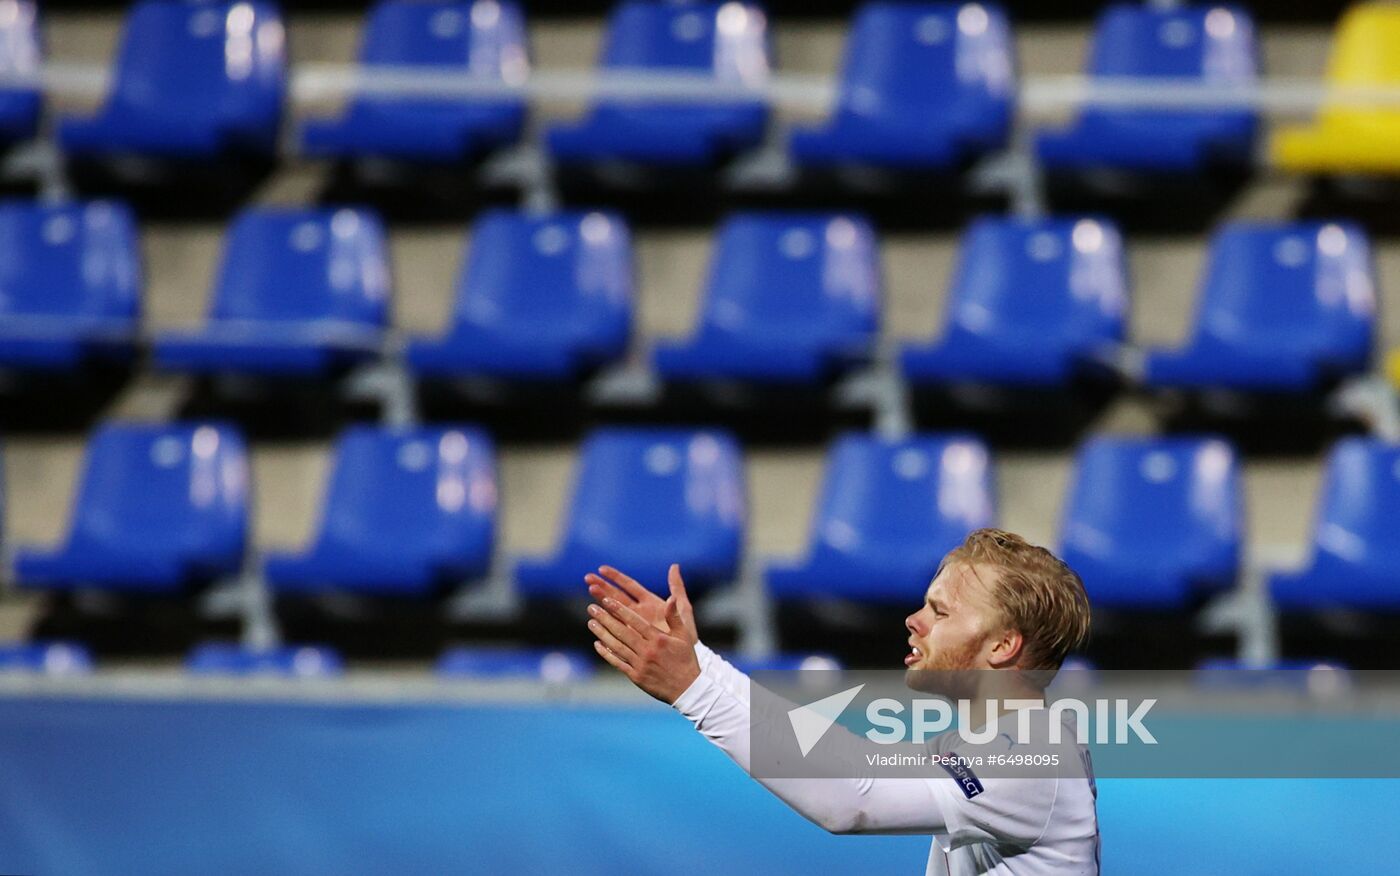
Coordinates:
[549,665]
[558,666]
[922,86]
[790,298]
[1152,523]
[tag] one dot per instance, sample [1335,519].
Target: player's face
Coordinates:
[953,630]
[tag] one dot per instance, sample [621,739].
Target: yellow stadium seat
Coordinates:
[1352,138]
[1392,368]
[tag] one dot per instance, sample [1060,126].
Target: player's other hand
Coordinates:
[657,657]
[672,615]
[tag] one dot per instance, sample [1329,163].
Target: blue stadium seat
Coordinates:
[545,297]
[1075,663]
[1283,308]
[193,80]
[20,56]
[48,658]
[725,41]
[888,512]
[485,38]
[1153,523]
[159,508]
[1355,552]
[70,284]
[1314,677]
[407,512]
[783,663]
[299,292]
[923,86]
[643,499]
[1077,674]
[1205,45]
[1033,303]
[538,664]
[790,298]
[290,661]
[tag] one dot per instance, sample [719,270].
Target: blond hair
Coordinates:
[1038,594]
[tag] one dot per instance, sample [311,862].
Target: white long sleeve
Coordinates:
[1005,818]
[722,672]
[845,805]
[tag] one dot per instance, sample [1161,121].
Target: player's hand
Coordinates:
[673,615]
[659,662]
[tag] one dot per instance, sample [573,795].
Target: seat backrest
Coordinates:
[1366,53]
[75,260]
[1213,45]
[1359,511]
[551,272]
[922,494]
[485,661]
[654,486]
[213,60]
[794,272]
[49,657]
[411,490]
[725,40]
[485,36]
[285,264]
[20,56]
[1307,286]
[1059,280]
[154,486]
[914,58]
[1152,497]
[220,658]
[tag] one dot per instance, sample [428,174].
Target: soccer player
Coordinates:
[996,603]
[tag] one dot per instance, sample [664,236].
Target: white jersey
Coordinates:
[981,824]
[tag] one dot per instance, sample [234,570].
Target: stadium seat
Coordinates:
[485,38]
[1203,45]
[1355,553]
[923,86]
[783,663]
[407,512]
[724,41]
[299,292]
[1283,308]
[642,500]
[1076,663]
[20,57]
[159,508]
[70,284]
[1153,523]
[294,661]
[1311,677]
[545,297]
[538,664]
[1350,138]
[887,514]
[789,298]
[1033,303]
[48,658]
[1077,675]
[193,80]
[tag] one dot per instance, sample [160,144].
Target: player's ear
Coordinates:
[1007,647]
